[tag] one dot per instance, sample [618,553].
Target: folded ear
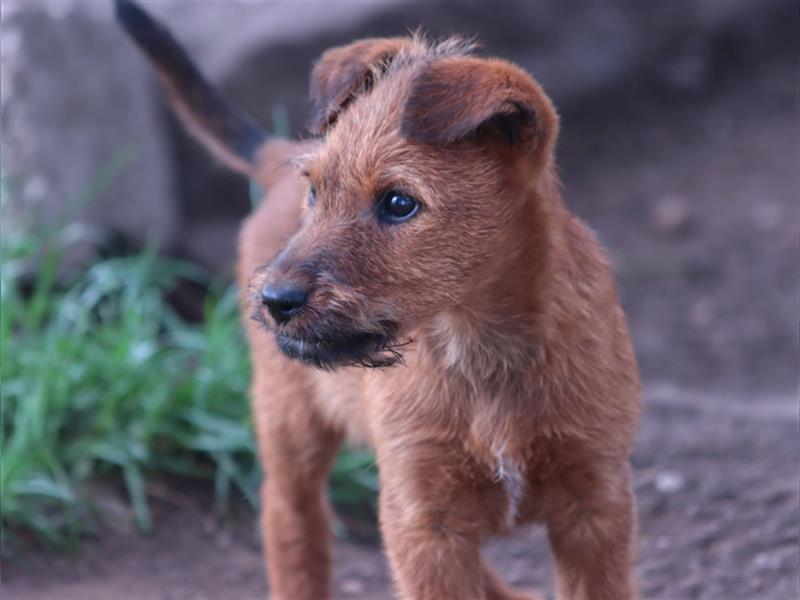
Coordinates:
[343,73]
[454,98]
[229,134]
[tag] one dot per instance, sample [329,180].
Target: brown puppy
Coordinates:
[423,232]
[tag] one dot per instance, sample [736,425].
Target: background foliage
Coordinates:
[102,378]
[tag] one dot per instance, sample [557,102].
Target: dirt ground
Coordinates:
[716,481]
[695,194]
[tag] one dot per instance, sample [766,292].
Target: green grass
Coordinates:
[101,378]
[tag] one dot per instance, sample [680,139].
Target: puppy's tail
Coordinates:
[228,133]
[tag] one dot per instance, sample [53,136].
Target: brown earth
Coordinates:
[716,480]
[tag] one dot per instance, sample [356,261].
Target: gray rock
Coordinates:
[83,142]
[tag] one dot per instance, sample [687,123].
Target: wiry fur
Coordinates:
[517,397]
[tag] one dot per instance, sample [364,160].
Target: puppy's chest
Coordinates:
[511,452]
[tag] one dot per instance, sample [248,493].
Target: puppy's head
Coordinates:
[423,165]
[424,158]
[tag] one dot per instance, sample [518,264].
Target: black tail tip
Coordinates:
[132,16]
[125,10]
[149,34]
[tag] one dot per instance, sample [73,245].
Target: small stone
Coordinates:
[669,482]
[765,561]
[701,314]
[671,213]
[767,216]
[352,586]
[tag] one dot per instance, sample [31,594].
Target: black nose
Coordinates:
[282,301]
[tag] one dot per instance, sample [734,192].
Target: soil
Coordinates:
[716,481]
[694,190]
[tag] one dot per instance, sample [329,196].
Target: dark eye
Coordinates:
[312,195]
[396,207]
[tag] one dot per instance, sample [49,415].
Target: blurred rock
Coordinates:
[83,142]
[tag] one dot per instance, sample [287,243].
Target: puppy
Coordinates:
[413,280]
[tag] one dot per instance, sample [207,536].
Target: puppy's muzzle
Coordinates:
[284,301]
[322,326]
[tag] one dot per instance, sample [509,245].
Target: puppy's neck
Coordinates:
[504,324]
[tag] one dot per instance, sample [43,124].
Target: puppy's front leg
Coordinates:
[296,448]
[433,519]
[591,525]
